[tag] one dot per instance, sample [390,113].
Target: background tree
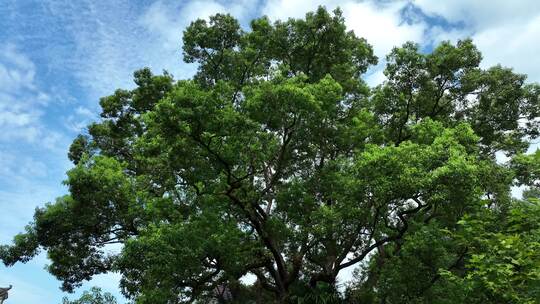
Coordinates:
[277,160]
[94,296]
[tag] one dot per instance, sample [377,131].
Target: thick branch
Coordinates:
[401,231]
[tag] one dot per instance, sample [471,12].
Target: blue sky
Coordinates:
[57,57]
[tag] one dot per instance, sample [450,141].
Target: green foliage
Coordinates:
[504,259]
[527,169]
[277,161]
[94,296]
[449,86]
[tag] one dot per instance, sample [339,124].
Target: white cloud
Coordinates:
[481,14]
[27,143]
[16,72]
[375,75]
[514,45]
[506,32]
[379,22]
[22,103]
[80,119]
[14,168]
[80,110]
[382,25]
[168,19]
[166,22]
[437,34]
[112,39]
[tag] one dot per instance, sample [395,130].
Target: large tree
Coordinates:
[277,160]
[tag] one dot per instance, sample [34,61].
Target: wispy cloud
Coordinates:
[31,155]
[505,31]
[21,101]
[112,39]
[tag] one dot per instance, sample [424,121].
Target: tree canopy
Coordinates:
[277,161]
